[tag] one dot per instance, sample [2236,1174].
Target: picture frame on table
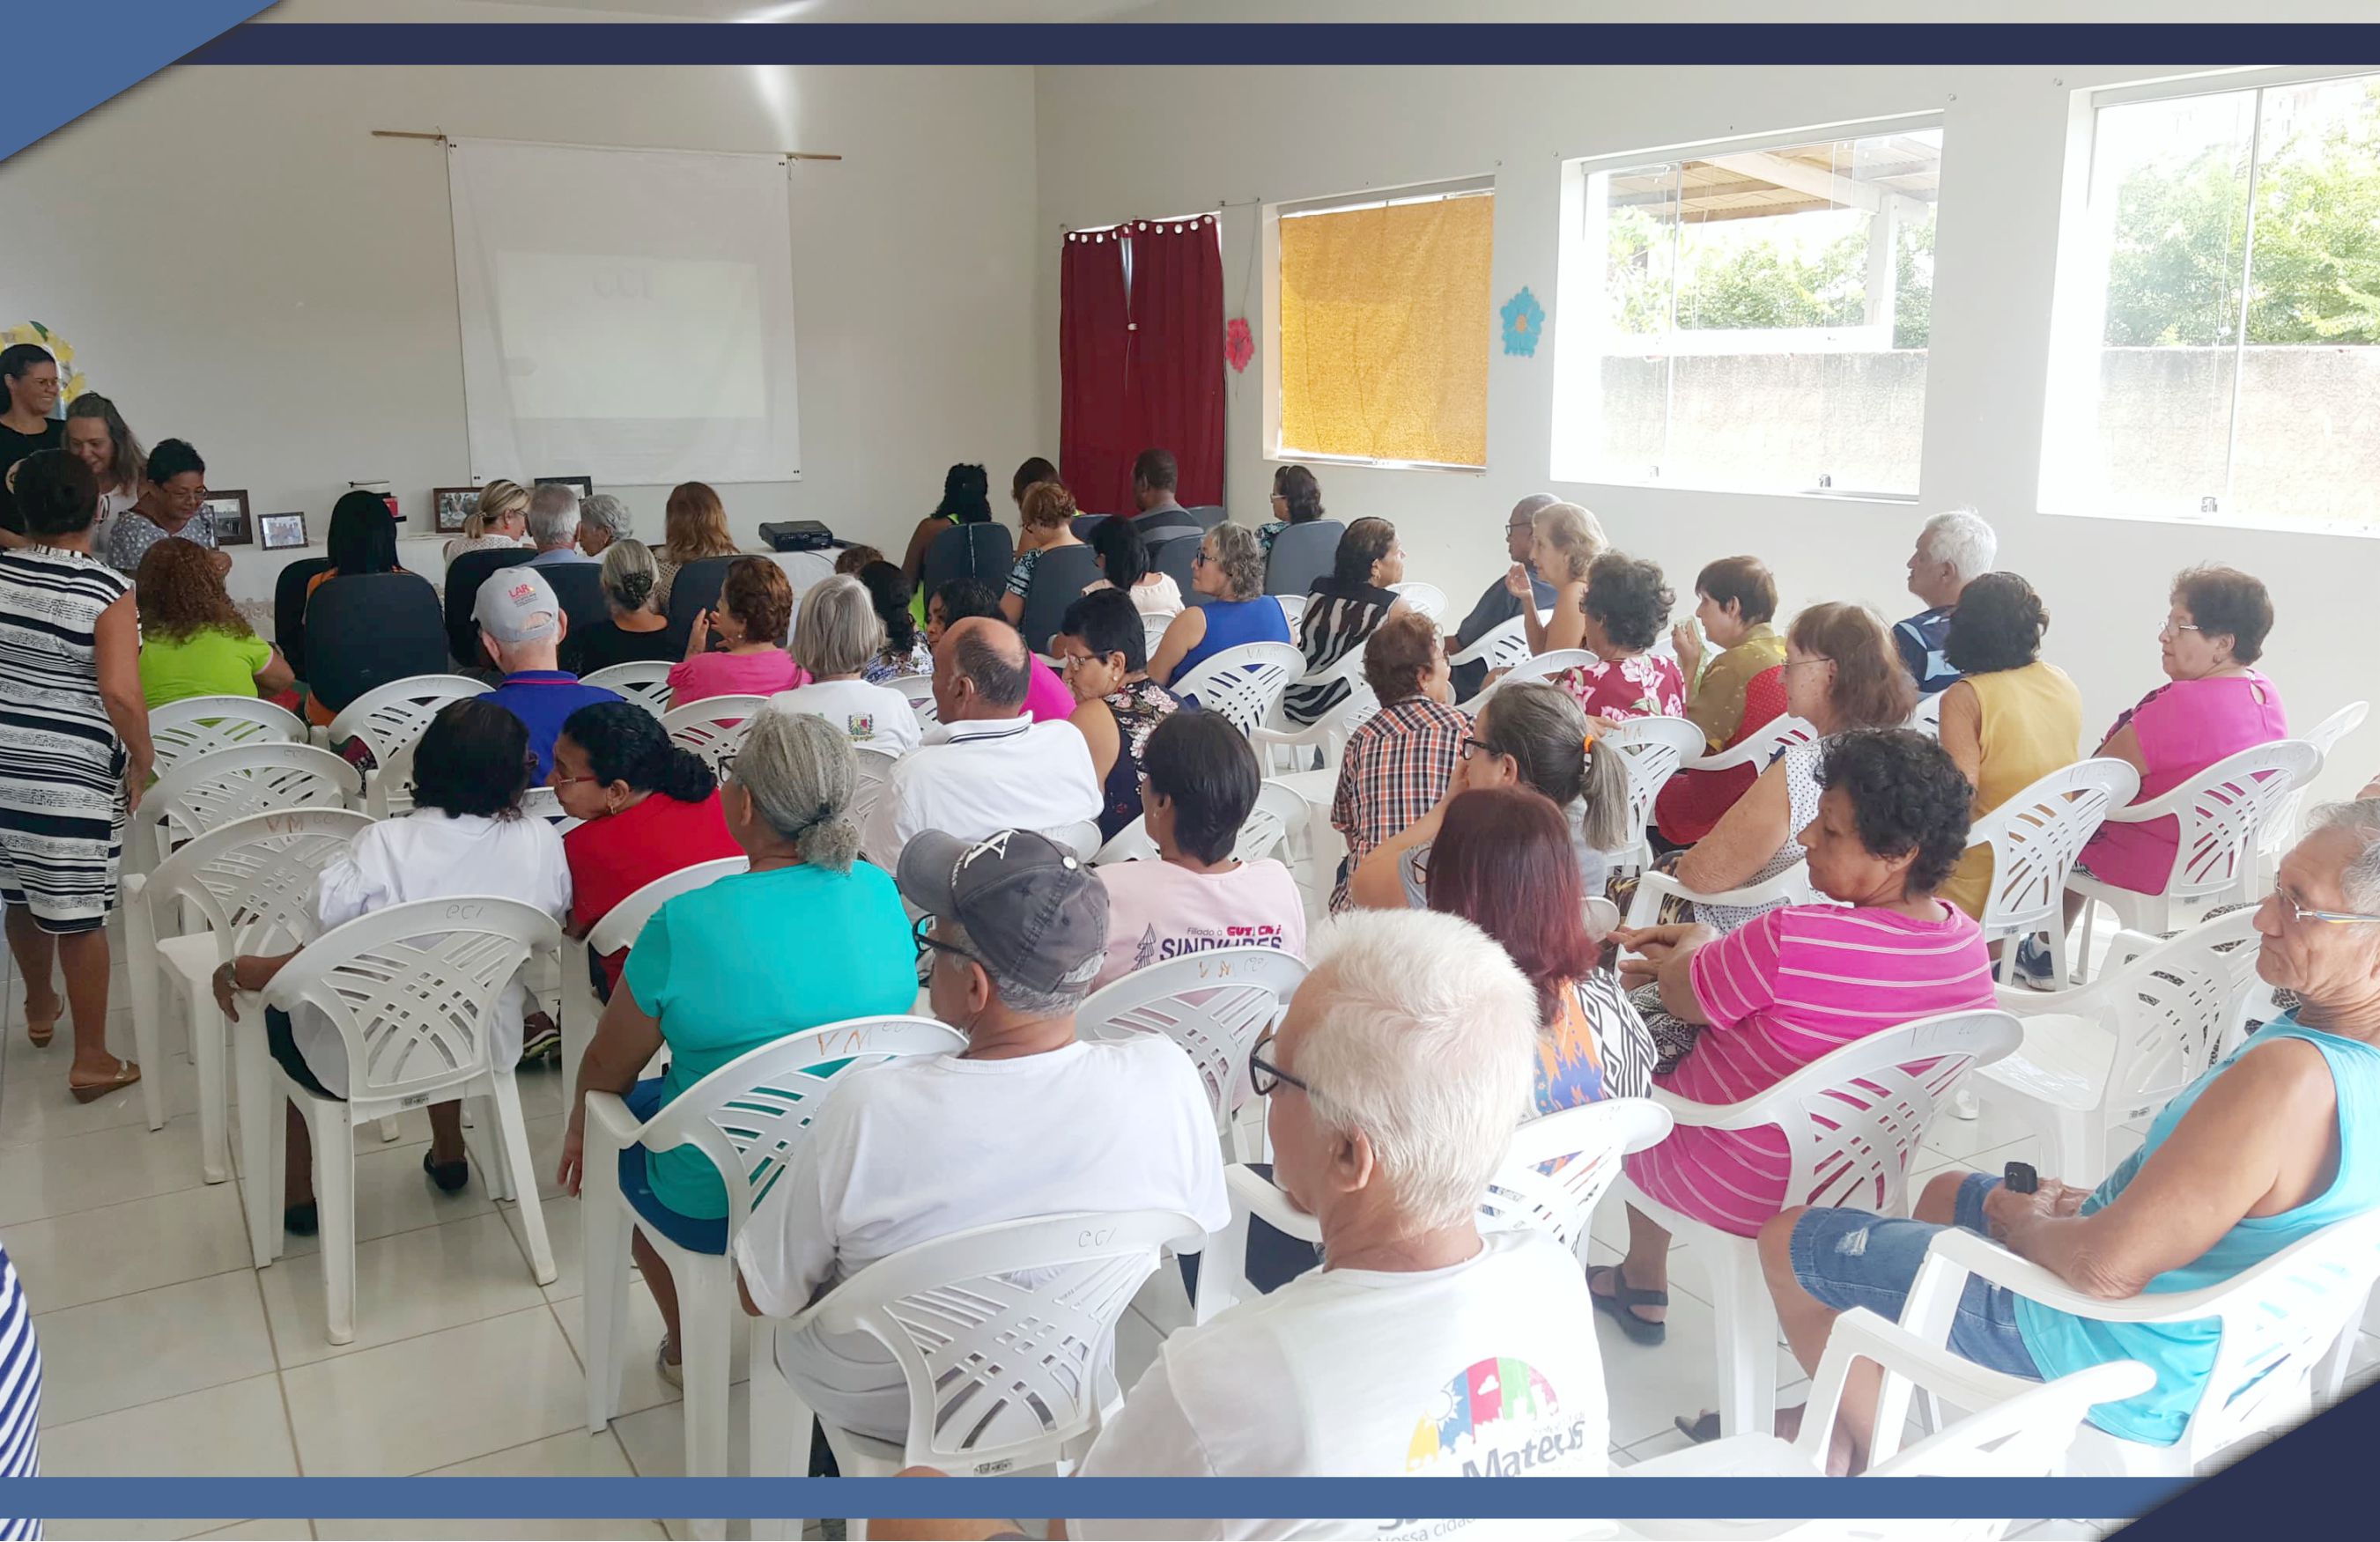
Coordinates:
[451,507]
[227,519]
[586,485]
[282,532]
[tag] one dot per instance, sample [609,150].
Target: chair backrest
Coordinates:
[713,728]
[1763,744]
[1539,666]
[1085,524]
[872,771]
[1424,599]
[1208,515]
[1006,1335]
[2223,811]
[464,575]
[1651,750]
[1246,682]
[1279,819]
[393,716]
[364,632]
[196,724]
[1214,1005]
[214,789]
[1173,556]
[251,882]
[2035,836]
[642,681]
[693,591]
[1058,579]
[982,551]
[579,587]
[1152,632]
[289,609]
[2175,1008]
[1302,553]
[1928,718]
[2281,831]
[1502,646]
[1079,837]
[918,691]
[413,991]
[1560,1164]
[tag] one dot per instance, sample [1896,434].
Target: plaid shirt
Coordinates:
[1394,771]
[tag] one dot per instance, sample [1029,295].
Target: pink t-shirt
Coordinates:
[1047,699]
[1781,991]
[2183,728]
[1157,911]
[762,674]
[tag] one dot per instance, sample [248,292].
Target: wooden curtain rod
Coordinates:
[442,139]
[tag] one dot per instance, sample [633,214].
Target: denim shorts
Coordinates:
[1847,1258]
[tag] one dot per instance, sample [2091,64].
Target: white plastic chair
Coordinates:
[1246,682]
[413,992]
[1500,646]
[872,768]
[1285,747]
[1652,749]
[1276,821]
[2274,1362]
[2119,1048]
[746,1117]
[249,885]
[1428,599]
[1214,1005]
[617,930]
[1539,666]
[196,724]
[1927,718]
[1559,1167]
[2035,837]
[1152,632]
[2287,822]
[713,728]
[1292,610]
[2221,815]
[2021,1429]
[1079,837]
[1789,887]
[642,681]
[392,715]
[1852,1120]
[920,691]
[1778,734]
[225,784]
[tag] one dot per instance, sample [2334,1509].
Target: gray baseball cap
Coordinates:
[515,604]
[1029,905]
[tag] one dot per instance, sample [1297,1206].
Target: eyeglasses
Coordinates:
[1474,745]
[929,945]
[2172,628]
[2334,918]
[560,780]
[1199,557]
[1264,1078]
[1797,663]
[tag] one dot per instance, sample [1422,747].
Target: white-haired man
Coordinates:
[1953,551]
[553,525]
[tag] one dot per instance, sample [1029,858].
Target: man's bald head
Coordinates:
[989,659]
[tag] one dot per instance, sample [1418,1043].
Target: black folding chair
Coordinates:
[694,590]
[1172,557]
[983,552]
[464,576]
[1300,554]
[289,609]
[1058,579]
[363,632]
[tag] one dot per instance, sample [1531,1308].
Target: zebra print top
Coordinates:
[21,1397]
[1338,622]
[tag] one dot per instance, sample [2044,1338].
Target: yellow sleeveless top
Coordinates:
[2032,724]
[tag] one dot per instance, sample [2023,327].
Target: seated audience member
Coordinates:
[851,560]
[1230,571]
[1498,604]
[1296,499]
[1533,736]
[1342,610]
[1789,985]
[602,520]
[634,630]
[1953,551]
[1502,861]
[694,526]
[1201,783]
[905,652]
[836,637]
[1030,470]
[985,766]
[2009,719]
[756,606]
[1626,606]
[1738,694]
[1154,478]
[499,522]
[97,435]
[710,977]
[172,503]
[521,627]
[1101,646]
[361,542]
[966,500]
[1049,512]
[1564,542]
[1047,699]
[553,521]
[1397,764]
[193,639]
[2261,1152]
[646,810]
[1123,565]
[1027,1121]
[466,835]
[2215,704]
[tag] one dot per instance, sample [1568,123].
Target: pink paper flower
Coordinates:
[1239,344]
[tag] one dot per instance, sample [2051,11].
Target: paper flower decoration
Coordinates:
[1524,320]
[70,381]
[1239,344]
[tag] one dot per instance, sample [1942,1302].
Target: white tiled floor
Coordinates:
[168,1354]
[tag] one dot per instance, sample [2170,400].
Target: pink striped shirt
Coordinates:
[1781,992]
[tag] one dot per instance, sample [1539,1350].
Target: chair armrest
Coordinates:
[1955,1255]
[610,1124]
[1255,1193]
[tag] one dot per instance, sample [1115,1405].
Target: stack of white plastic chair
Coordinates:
[2288,822]
[618,930]
[1652,749]
[196,724]
[1244,683]
[1214,1005]
[642,681]
[713,728]
[224,784]
[2035,837]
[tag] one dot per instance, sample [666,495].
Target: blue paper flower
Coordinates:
[1524,320]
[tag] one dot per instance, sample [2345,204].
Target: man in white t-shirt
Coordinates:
[1028,1121]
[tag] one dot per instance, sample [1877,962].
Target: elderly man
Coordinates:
[604,519]
[1953,551]
[1160,516]
[553,525]
[2263,1149]
[1498,604]
[1027,1121]
[521,625]
[988,766]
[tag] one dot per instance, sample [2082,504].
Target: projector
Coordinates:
[797,535]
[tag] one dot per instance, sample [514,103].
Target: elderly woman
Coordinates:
[1296,499]
[694,526]
[1228,569]
[1789,985]
[710,977]
[755,610]
[193,639]
[1049,514]
[97,435]
[2009,719]
[1103,648]
[1397,764]
[906,650]
[2262,1150]
[498,522]
[74,755]
[1345,607]
[1565,543]
[632,629]
[1740,693]
[836,637]
[172,497]
[602,519]
[1626,605]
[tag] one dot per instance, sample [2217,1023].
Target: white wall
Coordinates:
[239,263]
[1116,144]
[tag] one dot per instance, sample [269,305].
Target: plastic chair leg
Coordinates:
[334,1202]
[259,1118]
[141,966]
[520,1174]
[276,1164]
[703,1309]
[780,1430]
[206,1025]
[604,1222]
[390,1128]
[483,1141]
[1745,1334]
[1222,1269]
[2082,953]
[2061,958]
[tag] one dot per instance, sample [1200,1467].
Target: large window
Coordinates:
[2217,349]
[1749,317]
[1384,315]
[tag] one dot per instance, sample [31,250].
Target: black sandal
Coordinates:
[448,1176]
[1702,1429]
[1622,1304]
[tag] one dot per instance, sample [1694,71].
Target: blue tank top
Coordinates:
[2182,1353]
[1231,623]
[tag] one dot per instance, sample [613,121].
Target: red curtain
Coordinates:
[1141,370]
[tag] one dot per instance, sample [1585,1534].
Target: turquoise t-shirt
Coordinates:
[752,958]
[2182,1353]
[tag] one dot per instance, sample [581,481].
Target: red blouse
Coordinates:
[612,857]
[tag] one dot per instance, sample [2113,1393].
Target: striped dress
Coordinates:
[21,1397]
[1781,992]
[61,764]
